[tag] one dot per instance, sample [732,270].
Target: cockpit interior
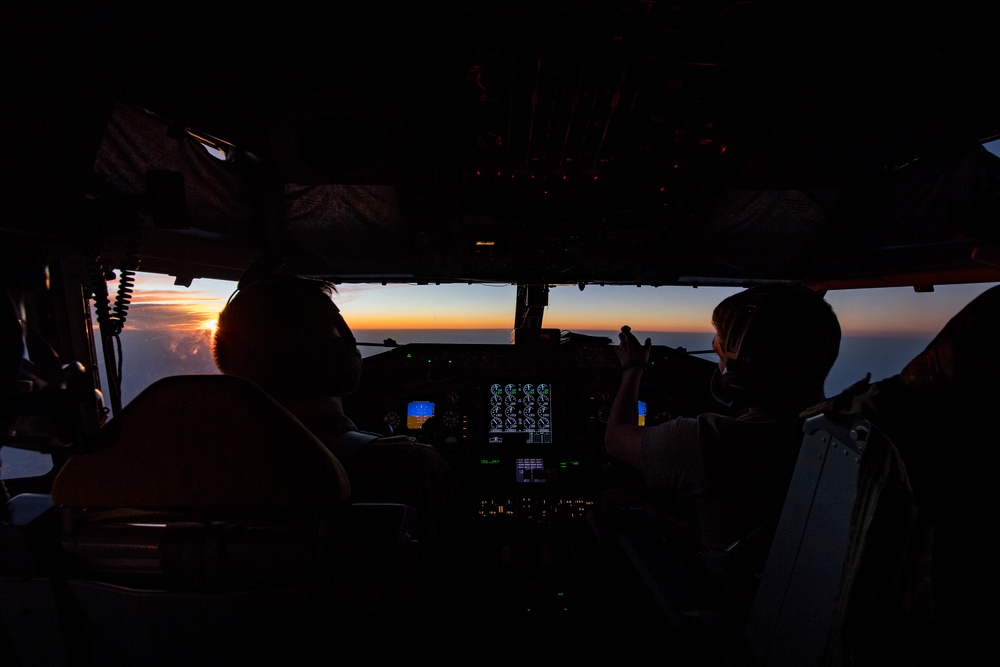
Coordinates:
[571,143]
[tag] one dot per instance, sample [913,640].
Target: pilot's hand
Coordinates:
[630,352]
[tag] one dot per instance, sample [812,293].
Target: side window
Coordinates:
[23,463]
[883,328]
[168,331]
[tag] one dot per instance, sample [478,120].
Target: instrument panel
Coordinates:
[521,424]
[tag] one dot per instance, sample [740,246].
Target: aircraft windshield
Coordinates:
[169,328]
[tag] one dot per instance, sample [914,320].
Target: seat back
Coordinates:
[30,605]
[196,441]
[795,612]
[208,526]
[153,588]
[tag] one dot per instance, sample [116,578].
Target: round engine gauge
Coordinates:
[392,419]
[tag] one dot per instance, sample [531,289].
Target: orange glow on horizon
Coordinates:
[170,297]
[638,321]
[159,305]
[639,325]
[202,315]
[171,317]
[396,320]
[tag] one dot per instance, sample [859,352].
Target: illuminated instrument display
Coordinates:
[417,412]
[520,413]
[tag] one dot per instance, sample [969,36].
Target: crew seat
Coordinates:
[208,526]
[794,615]
[829,593]
[844,555]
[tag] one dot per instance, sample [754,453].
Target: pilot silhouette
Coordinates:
[724,475]
[286,334]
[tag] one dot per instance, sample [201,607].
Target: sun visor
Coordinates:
[176,181]
[188,185]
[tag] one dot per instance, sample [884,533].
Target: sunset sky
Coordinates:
[169,328]
[160,306]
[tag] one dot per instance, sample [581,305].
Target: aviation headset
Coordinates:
[338,359]
[761,340]
[341,359]
[740,358]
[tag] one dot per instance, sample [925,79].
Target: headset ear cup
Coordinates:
[349,376]
[732,381]
[732,384]
[726,379]
[348,366]
[341,364]
[719,391]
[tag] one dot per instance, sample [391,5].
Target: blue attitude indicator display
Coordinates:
[417,412]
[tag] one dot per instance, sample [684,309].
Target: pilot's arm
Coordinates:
[623,438]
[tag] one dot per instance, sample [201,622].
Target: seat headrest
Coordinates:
[203,441]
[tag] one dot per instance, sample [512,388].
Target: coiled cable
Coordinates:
[111,319]
[126,286]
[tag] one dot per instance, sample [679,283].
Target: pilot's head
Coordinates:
[286,334]
[776,345]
